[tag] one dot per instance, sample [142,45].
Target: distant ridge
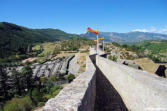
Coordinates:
[129,37]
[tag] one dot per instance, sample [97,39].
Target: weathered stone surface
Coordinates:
[93,51]
[77,96]
[73,66]
[107,98]
[140,90]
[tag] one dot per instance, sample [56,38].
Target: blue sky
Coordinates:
[74,16]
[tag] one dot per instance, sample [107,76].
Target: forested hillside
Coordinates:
[17,39]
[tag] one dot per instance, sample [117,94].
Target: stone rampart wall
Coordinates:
[140,90]
[77,96]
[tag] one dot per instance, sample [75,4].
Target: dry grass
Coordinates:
[64,54]
[29,60]
[147,64]
[48,47]
[86,47]
[81,60]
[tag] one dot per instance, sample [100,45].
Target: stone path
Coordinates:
[107,98]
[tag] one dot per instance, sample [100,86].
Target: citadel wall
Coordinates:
[77,96]
[140,90]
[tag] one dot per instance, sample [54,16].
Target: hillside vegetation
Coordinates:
[65,48]
[155,50]
[119,52]
[17,39]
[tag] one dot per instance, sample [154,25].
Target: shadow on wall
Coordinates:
[107,98]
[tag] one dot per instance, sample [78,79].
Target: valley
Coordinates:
[40,71]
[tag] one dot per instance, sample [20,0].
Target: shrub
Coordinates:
[56,87]
[54,78]
[60,77]
[18,104]
[40,104]
[41,55]
[11,106]
[124,46]
[1,106]
[53,92]
[106,49]
[113,58]
[70,77]
[49,85]
[43,80]
[35,61]
[47,96]
[36,96]
[56,92]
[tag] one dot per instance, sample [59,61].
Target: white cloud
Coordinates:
[164,30]
[152,29]
[140,30]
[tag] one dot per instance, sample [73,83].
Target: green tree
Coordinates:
[49,84]
[16,77]
[29,49]
[113,58]
[27,76]
[36,96]
[3,83]
[124,46]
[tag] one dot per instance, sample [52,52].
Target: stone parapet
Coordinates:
[140,90]
[77,96]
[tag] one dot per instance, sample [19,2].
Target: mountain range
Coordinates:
[129,37]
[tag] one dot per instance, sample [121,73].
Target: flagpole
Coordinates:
[97,43]
[103,45]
